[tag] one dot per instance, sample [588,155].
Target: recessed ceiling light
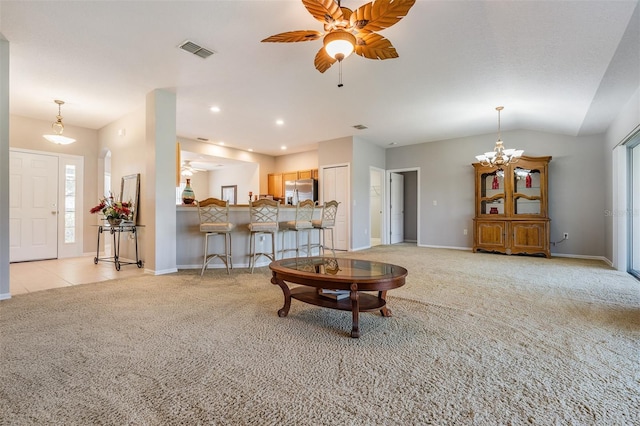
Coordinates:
[283,147]
[250,150]
[215,109]
[393,143]
[279,122]
[221,143]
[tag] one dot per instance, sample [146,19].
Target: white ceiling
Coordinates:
[557,66]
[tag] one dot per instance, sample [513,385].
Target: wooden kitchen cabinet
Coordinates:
[275,185]
[289,176]
[305,174]
[275,182]
[511,211]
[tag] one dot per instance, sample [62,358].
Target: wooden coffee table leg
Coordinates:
[386,312]
[284,311]
[355,309]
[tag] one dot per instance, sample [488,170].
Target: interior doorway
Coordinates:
[404,193]
[107,191]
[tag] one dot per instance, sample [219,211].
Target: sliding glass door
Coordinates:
[633,209]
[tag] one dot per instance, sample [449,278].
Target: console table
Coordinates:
[356,276]
[116,231]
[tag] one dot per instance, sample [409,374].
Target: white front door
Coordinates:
[33,209]
[397,208]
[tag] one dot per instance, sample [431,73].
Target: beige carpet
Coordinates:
[475,339]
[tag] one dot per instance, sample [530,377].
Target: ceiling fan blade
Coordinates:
[323,61]
[325,11]
[374,46]
[294,36]
[380,14]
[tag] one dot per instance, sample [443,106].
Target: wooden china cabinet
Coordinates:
[512,207]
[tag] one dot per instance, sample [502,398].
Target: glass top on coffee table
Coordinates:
[351,277]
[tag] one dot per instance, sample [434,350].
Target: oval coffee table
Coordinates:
[316,274]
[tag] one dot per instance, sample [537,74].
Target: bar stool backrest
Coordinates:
[329,212]
[304,214]
[213,214]
[263,214]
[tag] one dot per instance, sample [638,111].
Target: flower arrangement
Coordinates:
[113,210]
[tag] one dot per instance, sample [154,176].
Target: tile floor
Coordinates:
[27,277]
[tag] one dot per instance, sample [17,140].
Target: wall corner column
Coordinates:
[158,193]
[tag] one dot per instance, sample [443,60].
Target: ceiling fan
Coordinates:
[346,31]
[188,170]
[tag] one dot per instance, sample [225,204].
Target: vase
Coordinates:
[113,221]
[188,197]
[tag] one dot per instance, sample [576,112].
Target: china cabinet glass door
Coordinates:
[526,191]
[493,192]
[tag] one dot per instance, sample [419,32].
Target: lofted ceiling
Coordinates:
[557,66]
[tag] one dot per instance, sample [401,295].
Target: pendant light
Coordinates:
[58,128]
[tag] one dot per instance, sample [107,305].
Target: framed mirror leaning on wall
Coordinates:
[130,192]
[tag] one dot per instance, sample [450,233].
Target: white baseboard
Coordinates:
[5,296]
[582,256]
[574,256]
[446,247]
[160,272]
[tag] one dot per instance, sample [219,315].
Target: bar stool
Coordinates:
[327,221]
[302,222]
[263,219]
[214,220]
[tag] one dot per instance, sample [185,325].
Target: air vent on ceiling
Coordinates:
[203,139]
[360,127]
[197,50]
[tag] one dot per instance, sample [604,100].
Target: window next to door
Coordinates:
[70,194]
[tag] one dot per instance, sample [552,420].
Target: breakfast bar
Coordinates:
[190,241]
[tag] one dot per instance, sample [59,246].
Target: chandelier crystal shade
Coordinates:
[499,157]
[58,127]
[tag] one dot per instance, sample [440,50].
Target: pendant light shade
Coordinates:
[58,127]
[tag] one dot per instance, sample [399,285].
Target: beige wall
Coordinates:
[294,162]
[125,139]
[266,163]
[245,176]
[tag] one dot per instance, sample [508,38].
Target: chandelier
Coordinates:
[58,128]
[499,157]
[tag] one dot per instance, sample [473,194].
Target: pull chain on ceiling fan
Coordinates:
[346,31]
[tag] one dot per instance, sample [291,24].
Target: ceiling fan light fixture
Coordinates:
[339,44]
[58,127]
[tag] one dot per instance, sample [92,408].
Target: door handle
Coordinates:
[54,212]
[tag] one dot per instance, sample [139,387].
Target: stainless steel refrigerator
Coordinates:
[300,190]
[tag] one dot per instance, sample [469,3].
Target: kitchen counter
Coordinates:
[190,241]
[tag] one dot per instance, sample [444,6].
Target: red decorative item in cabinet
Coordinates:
[495,184]
[528,180]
